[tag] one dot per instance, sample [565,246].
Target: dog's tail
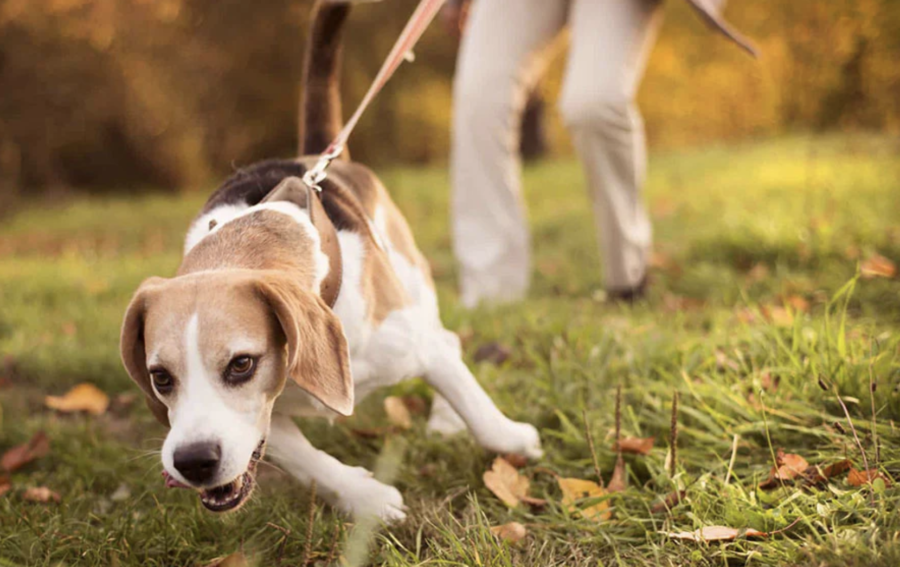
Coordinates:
[320,102]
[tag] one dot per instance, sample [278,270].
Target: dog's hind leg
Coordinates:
[443,418]
[353,490]
[449,375]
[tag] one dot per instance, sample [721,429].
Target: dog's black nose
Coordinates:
[198,462]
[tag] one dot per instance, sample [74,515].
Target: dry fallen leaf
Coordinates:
[768,382]
[723,362]
[716,533]
[877,266]
[859,478]
[673,303]
[636,445]
[515,460]
[817,475]
[797,303]
[83,397]
[370,433]
[397,413]
[19,456]
[619,480]
[746,316]
[576,489]
[506,483]
[493,352]
[123,402]
[512,532]
[789,467]
[777,315]
[415,404]
[40,494]
[236,559]
[670,501]
[758,273]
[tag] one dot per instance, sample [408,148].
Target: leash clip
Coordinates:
[316,174]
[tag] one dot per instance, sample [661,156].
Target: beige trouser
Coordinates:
[500,58]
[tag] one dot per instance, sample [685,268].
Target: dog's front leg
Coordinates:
[450,376]
[352,490]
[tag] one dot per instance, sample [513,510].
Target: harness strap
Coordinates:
[301,194]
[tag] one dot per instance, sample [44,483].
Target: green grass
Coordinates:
[803,208]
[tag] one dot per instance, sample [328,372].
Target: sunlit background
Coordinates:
[131,95]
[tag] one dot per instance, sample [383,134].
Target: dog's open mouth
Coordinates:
[231,495]
[227,496]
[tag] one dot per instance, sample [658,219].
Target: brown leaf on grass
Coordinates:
[123,402]
[371,433]
[512,532]
[747,316]
[789,467]
[415,404]
[397,413]
[40,494]
[877,266]
[860,478]
[777,315]
[515,460]
[619,480]
[670,501]
[662,207]
[506,483]
[723,362]
[5,485]
[677,303]
[819,475]
[635,445]
[19,456]
[575,489]
[493,352]
[83,397]
[768,382]
[664,263]
[236,559]
[716,533]
[797,303]
[757,273]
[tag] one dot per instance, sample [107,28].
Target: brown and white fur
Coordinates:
[242,340]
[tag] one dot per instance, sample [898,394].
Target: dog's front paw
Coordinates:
[365,497]
[515,437]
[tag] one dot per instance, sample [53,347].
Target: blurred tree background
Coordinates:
[126,95]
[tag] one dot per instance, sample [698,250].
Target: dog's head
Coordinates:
[212,351]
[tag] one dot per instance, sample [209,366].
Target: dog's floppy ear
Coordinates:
[131,346]
[317,356]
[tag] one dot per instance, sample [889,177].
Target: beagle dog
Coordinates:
[295,303]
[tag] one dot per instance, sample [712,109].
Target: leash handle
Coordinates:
[415,27]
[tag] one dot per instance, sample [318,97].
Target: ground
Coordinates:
[755,308]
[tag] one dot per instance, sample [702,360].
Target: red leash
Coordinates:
[418,23]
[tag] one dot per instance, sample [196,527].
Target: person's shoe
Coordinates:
[630,295]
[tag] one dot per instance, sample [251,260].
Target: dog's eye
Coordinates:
[240,369]
[162,381]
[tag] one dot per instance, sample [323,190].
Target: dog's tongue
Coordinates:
[172,482]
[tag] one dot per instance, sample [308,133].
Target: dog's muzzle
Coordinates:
[231,495]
